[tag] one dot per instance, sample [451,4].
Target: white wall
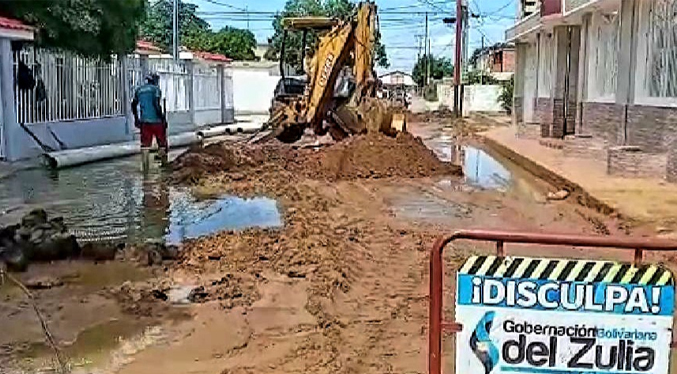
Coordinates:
[479,98]
[253,90]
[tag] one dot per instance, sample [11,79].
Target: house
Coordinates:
[497,61]
[600,72]
[397,79]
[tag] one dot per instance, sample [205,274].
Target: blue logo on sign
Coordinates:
[481,344]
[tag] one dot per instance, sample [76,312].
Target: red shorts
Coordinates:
[153,130]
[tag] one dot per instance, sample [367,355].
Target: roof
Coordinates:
[147,46]
[13,24]
[395,72]
[212,57]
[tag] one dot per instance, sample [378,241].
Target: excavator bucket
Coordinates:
[399,123]
[380,116]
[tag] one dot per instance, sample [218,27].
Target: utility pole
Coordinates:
[175,31]
[246,9]
[457,65]
[419,41]
[427,53]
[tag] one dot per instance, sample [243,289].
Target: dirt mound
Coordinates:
[378,156]
[367,156]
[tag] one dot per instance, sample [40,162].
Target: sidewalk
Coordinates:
[645,200]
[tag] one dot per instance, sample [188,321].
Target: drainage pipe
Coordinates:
[80,156]
[238,128]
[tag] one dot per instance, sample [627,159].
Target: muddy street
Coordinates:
[304,260]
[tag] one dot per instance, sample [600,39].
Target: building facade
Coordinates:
[603,73]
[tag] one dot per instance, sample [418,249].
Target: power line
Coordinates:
[215,2]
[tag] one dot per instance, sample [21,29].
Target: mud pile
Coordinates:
[36,238]
[378,156]
[366,156]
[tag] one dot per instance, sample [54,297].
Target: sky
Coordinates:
[402,23]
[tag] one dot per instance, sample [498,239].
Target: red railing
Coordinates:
[437,325]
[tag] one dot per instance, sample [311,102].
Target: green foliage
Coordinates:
[341,9]
[93,28]
[440,67]
[479,77]
[235,43]
[430,93]
[506,96]
[194,31]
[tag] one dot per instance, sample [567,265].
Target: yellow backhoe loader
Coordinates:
[339,94]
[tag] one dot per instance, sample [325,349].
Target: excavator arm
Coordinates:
[345,42]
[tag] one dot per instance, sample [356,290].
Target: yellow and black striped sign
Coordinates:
[567,270]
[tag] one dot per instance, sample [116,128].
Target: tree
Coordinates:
[341,9]
[507,93]
[92,28]
[440,67]
[235,43]
[480,77]
[195,32]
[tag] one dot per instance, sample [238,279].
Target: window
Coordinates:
[657,52]
[603,39]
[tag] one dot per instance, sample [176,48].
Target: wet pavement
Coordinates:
[484,171]
[114,200]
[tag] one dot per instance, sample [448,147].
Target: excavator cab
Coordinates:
[338,83]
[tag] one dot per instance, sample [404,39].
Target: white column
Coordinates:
[190,68]
[222,91]
[11,126]
[123,65]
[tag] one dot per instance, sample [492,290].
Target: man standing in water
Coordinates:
[151,121]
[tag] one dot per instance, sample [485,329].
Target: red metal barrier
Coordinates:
[437,325]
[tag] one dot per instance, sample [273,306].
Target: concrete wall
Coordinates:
[479,98]
[207,117]
[73,134]
[254,90]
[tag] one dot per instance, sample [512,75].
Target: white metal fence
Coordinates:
[68,87]
[206,87]
[174,82]
[72,88]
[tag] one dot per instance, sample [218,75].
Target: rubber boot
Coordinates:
[145,160]
[163,156]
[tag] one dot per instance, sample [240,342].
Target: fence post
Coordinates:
[8,111]
[190,68]
[222,91]
[143,63]
[123,65]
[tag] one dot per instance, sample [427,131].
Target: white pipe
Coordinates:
[238,128]
[74,157]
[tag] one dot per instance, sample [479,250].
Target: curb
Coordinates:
[583,197]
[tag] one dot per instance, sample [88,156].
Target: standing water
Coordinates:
[114,200]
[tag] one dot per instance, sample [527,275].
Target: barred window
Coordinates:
[659,44]
[603,37]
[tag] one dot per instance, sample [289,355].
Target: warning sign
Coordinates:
[545,316]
